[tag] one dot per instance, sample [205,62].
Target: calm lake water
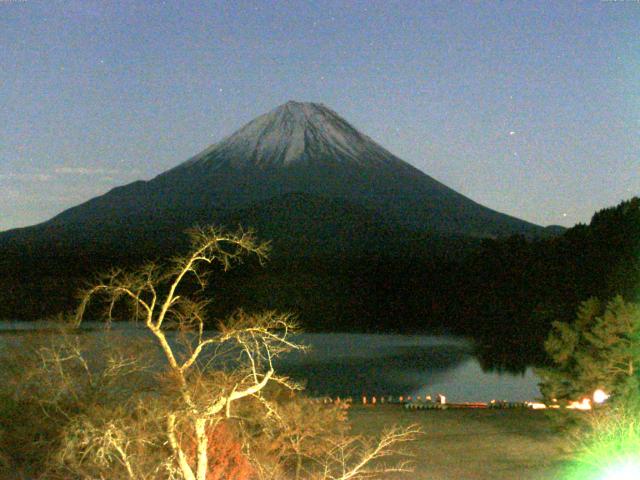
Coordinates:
[356,364]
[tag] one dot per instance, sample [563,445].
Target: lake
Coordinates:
[357,364]
[341,364]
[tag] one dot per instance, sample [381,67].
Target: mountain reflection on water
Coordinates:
[360,364]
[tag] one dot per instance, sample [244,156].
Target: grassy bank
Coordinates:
[472,444]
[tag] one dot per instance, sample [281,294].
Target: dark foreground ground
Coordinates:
[472,444]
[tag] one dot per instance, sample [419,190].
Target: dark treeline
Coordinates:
[511,290]
[504,293]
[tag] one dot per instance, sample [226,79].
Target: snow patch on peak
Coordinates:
[295,132]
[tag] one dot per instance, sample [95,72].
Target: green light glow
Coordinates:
[605,469]
[629,470]
[611,450]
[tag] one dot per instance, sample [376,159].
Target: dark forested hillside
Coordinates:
[509,291]
[504,292]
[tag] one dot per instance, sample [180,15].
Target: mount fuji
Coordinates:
[300,151]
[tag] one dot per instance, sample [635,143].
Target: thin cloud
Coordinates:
[29,177]
[65,172]
[84,171]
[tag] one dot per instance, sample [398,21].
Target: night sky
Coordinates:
[530,108]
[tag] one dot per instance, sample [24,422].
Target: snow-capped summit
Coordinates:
[296,132]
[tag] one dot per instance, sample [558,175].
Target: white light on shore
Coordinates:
[584,404]
[599,396]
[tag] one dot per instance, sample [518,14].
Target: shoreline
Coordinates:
[477,444]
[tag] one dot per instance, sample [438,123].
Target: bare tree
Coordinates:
[357,458]
[210,373]
[156,299]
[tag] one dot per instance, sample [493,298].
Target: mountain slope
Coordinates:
[299,148]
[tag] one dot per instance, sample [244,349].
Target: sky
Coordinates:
[529,108]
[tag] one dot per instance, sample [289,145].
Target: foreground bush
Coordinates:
[609,448]
[599,350]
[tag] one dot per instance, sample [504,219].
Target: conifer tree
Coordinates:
[600,349]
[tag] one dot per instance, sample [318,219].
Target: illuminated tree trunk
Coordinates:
[202,443]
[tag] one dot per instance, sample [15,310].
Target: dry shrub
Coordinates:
[227,461]
[51,380]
